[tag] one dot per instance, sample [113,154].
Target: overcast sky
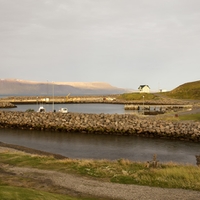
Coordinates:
[126,43]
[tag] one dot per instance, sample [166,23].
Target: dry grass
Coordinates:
[170,175]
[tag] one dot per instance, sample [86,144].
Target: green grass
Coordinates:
[167,177]
[119,171]
[194,117]
[18,193]
[189,90]
[185,117]
[137,96]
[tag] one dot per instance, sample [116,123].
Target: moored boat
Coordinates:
[41,109]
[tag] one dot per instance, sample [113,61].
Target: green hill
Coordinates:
[137,96]
[189,90]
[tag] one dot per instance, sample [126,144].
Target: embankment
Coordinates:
[7,105]
[115,124]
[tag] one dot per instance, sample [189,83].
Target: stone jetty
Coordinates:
[165,108]
[7,105]
[89,99]
[113,124]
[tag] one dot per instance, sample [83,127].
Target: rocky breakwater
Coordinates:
[7,105]
[115,124]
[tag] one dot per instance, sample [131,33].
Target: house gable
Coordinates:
[144,89]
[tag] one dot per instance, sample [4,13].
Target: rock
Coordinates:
[115,124]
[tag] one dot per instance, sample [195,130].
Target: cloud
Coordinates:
[92,39]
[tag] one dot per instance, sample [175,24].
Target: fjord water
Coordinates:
[80,145]
[78,108]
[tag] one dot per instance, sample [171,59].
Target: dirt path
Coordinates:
[85,186]
[82,186]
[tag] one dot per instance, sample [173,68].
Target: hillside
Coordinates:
[190,90]
[21,87]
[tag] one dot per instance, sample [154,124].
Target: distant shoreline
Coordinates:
[31,151]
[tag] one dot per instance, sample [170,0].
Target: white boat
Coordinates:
[41,109]
[63,110]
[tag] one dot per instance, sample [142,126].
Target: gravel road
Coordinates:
[97,188]
[82,186]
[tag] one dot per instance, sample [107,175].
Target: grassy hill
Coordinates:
[137,96]
[190,90]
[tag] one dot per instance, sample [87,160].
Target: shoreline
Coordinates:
[109,99]
[107,124]
[31,150]
[84,186]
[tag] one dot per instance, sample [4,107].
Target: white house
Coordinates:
[144,89]
[161,90]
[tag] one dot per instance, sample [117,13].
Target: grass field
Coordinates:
[137,96]
[194,117]
[19,193]
[123,171]
[189,90]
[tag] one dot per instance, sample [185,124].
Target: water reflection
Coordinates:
[79,145]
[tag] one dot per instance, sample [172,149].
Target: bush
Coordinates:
[30,110]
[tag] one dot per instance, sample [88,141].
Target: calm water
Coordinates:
[78,145]
[80,108]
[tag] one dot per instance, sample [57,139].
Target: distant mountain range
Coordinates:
[31,88]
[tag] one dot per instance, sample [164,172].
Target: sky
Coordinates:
[126,43]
